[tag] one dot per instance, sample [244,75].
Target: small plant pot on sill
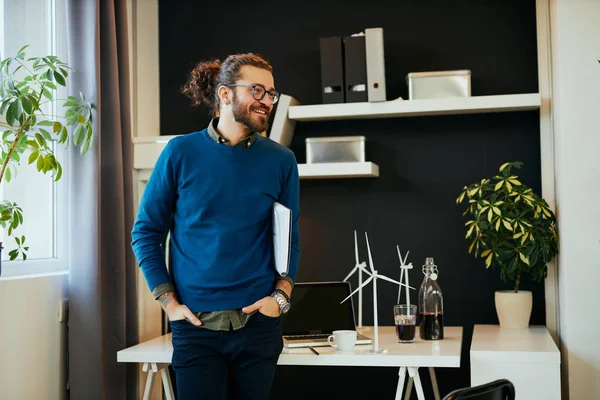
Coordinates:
[513,309]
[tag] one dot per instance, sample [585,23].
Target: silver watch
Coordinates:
[284,305]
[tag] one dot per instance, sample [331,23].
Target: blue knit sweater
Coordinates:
[217,202]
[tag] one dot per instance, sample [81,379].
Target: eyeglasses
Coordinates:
[259,91]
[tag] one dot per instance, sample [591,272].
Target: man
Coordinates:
[215,190]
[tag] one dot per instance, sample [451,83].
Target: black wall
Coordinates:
[424,162]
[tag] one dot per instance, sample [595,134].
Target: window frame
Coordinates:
[58,264]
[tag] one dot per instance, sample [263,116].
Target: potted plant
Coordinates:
[514,230]
[29,126]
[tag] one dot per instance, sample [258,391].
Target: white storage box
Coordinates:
[439,84]
[335,149]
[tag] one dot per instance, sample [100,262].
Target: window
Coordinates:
[41,25]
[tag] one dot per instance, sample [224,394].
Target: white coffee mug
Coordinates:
[344,340]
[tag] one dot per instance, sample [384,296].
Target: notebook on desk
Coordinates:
[316,312]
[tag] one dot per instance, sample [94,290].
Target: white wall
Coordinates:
[32,340]
[575,27]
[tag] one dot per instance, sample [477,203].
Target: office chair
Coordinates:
[501,389]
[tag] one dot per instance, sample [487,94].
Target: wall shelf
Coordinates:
[283,127]
[338,170]
[414,108]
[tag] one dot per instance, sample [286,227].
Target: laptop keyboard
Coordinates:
[307,337]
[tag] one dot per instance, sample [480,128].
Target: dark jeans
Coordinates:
[220,365]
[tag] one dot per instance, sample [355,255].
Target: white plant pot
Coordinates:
[513,309]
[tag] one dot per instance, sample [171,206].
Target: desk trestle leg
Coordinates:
[152,369]
[413,372]
[167,385]
[401,375]
[149,381]
[434,385]
[409,387]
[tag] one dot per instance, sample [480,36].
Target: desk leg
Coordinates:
[149,381]
[434,385]
[409,387]
[413,372]
[401,375]
[167,385]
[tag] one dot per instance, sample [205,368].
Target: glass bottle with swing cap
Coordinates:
[431,304]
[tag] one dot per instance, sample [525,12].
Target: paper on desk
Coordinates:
[282,237]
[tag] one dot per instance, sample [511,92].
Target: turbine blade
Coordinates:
[363,269]
[351,273]
[360,287]
[371,266]
[385,278]
[402,261]
[356,248]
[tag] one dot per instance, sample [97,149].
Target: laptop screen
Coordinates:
[316,309]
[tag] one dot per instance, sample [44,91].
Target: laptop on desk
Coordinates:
[316,312]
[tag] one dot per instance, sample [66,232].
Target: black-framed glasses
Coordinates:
[259,91]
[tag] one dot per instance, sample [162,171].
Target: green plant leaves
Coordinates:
[78,134]
[63,136]
[20,250]
[20,99]
[524,258]
[15,111]
[88,139]
[509,226]
[47,94]
[27,105]
[488,260]
[39,138]
[46,123]
[46,135]
[11,215]
[59,79]
[33,156]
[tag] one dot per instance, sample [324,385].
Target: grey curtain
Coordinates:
[102,270]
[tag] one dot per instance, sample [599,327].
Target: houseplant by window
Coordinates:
[33,120]
[513,230]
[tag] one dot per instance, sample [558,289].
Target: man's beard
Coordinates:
[243,115]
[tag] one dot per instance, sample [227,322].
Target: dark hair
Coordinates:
[206,77]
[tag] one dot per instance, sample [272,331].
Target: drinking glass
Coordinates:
[405,319]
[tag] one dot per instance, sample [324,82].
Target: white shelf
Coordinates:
[153,139]
[413,108]
[338,170]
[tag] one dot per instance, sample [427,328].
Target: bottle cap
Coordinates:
[431,268]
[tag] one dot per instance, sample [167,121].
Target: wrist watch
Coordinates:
[284,303]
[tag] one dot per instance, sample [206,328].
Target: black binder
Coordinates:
[332,70]
[355,69]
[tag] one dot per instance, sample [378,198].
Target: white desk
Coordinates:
[526,357]
[156,355]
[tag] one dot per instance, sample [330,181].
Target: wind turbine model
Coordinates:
[404,273]
[360,267]
[374,276]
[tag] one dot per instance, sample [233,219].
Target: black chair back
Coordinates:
[501,389]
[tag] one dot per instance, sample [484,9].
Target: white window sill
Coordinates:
[13,270]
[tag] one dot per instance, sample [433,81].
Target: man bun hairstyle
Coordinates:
[207,76]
